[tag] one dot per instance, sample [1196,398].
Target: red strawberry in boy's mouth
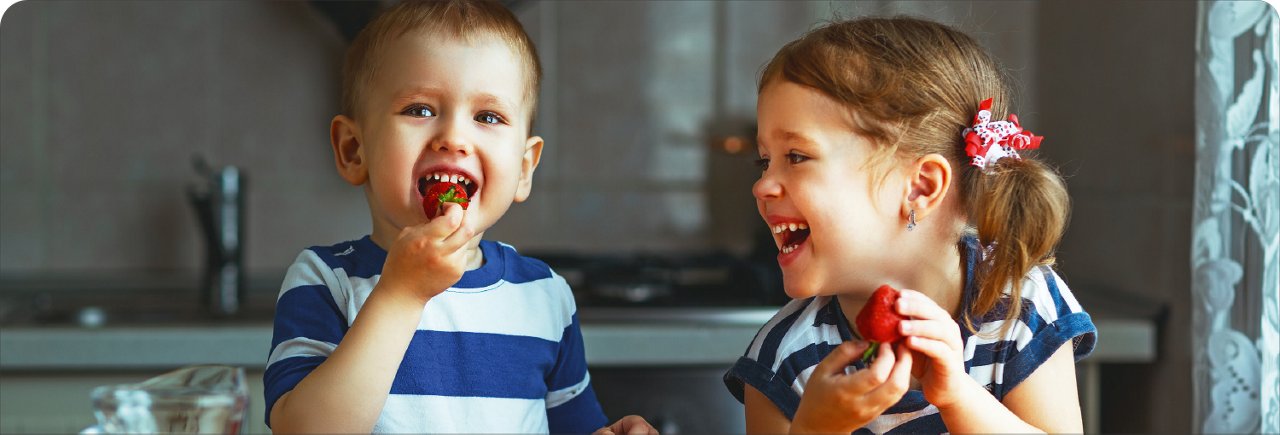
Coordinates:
[438,189]
[878,320]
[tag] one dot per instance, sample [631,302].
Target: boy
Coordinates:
[454,333]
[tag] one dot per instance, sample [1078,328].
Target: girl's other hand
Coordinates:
[834,401]
[934,335]
[428,258]
[631,424]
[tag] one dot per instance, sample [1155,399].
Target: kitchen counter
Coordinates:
[612,336]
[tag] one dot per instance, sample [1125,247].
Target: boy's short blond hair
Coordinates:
[465,19]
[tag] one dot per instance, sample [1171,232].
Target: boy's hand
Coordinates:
[631,424]
[935,336]
[835,402]
[428,258]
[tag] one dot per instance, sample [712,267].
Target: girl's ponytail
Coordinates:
[1019,208]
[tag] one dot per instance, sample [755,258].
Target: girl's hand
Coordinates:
[933,334]
[834,401]
[426,259]
[629,425]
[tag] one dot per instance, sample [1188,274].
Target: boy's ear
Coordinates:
[348,154]
[927,186]
[529,163]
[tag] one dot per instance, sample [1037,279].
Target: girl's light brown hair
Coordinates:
[468,20]
[912,87]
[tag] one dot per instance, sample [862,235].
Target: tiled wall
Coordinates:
[105,103]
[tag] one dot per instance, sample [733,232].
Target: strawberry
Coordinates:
[439,193]
[878,320]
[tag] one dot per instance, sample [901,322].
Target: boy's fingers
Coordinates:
[876,373]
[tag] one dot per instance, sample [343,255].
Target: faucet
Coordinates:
[219,206]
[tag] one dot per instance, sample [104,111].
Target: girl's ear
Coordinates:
[927,186]
[348,154]
[528,163]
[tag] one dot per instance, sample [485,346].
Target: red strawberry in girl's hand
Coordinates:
[439,193]
[878,320]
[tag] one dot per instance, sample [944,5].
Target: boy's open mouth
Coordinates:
[790,235]
[425,182]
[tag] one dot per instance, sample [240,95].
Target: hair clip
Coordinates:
[989,141]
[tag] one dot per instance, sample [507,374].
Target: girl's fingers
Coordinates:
[912,303]
[934,349]
[840,357]
[875,374]
[899,379]
[946,331]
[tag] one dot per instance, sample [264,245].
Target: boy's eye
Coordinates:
[490,118]
[794,158]
[763,163]
[419,111]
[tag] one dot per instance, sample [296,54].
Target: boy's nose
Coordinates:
[451,139]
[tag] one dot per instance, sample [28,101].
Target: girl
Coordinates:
[883,163]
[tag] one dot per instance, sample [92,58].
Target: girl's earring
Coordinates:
[911,220]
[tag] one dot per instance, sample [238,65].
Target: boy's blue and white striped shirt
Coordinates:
[783,355]
[500,351]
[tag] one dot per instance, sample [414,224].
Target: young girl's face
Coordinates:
[831,214]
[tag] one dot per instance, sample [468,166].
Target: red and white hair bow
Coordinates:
[989,141]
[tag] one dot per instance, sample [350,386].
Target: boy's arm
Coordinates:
[572,406]
[346,392]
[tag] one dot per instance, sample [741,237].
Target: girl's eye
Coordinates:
[419,111]
[489,118]
[763,164]
[794,158]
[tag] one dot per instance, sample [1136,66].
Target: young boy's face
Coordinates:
[441,106]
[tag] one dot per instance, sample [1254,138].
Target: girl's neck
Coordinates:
[939,275]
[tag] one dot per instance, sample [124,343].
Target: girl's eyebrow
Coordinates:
[792,137]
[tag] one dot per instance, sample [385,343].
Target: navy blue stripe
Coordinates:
[521,269]
[1059,302]
[281,377]
[804,358]
[911,401]
[468,364]
[308,311]
[571,360]
[749,372]
[769,348]
[582,414]
[364,261]
[931,423]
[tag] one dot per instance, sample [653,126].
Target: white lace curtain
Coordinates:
[1236,233]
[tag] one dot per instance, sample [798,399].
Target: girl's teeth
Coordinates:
[802,226]
[793,227]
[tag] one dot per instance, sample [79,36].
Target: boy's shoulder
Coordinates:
[357,258]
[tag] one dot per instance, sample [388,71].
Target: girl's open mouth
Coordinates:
[790,235]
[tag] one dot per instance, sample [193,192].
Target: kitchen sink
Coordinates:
[123,308]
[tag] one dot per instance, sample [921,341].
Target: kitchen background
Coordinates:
[104,104]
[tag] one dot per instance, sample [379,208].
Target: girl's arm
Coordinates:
[763,416]
[1045,402]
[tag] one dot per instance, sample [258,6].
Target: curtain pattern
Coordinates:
[1236,220]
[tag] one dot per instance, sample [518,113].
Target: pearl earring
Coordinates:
[911,220]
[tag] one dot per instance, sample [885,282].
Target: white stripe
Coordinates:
[1020,334]
[790,307]
[447,414]
[802,379]
[564,395]
[988,374]
[308,269]
[541,308]
[1036,290]
[803,333]
[300,346]
[887,422]
[1066,294]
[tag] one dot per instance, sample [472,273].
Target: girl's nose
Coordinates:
[766,188]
